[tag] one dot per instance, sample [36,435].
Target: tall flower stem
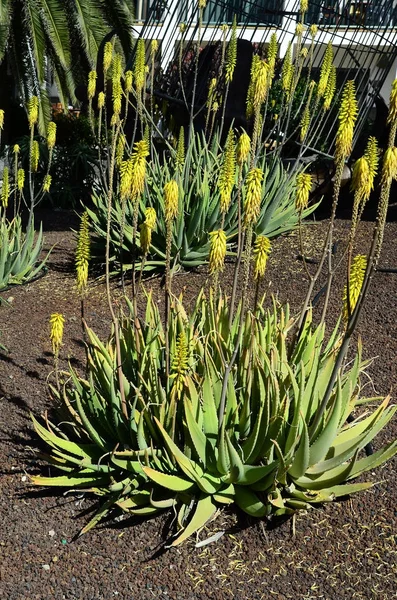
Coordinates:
[200,27]
[240,243]
[229,366]
[107,272]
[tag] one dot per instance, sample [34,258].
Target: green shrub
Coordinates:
[199,209]
[19,253]
[165,442]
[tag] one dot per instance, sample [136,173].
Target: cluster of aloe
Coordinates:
[19,253]
[199,208]
[157,442]
[218,406]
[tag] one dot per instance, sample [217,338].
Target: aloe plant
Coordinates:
[199,209]
[19,253]
[173,449]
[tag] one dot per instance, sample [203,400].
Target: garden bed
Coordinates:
[344,550]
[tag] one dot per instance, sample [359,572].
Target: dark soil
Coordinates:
[346,550]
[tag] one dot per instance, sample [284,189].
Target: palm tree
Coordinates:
[62,37]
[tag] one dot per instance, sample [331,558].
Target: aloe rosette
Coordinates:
[264,453]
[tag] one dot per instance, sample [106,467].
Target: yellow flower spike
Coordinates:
[20,179]
[125,178]
[34,155]
[51,135]
[325,70]
[261,83]
[182,27]
[313,30]
[101,100]
[272,54]
[243,148]
[154,46]
[117,90]
[304,5]
[287,71]
[147,228]
[202,4]
[33,111]
[347,117]
[253,196]
[299,29]
[180,150]
[211,92]
[16,149]
[83,253]
[57,322]
[304,123]
[389,167]
[356,280]
[392,116]
[133,172]
[171,200]
[150,217]
[120,150]
[215,106]
[330,89]
[372,155]
[107,56]
[47,183]
[145,238]
[217,251]
[138,158]
[227,173]
[250,94]
[139,66]
[1,118]
[361,179]
[91,87]
[304,52]
[180,363]
[128,81]
[231,54]
[262,249]
[303,187]
[5,188]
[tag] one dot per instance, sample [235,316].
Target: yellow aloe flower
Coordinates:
[139,66]
[303,187]
[217,251]
[347,117]
[83,253]
[91,87]
[33,111]
[47,183]
[101,100]
[57,322]
[356,280]
[5,188]
[243,148]
[51,135]
[171,200]
[262,250]
[227,173]
[34,155]
[107,56]
[20,179]
[253,196]
[128,76]
[231,54]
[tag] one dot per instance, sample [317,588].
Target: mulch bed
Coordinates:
[344,550]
